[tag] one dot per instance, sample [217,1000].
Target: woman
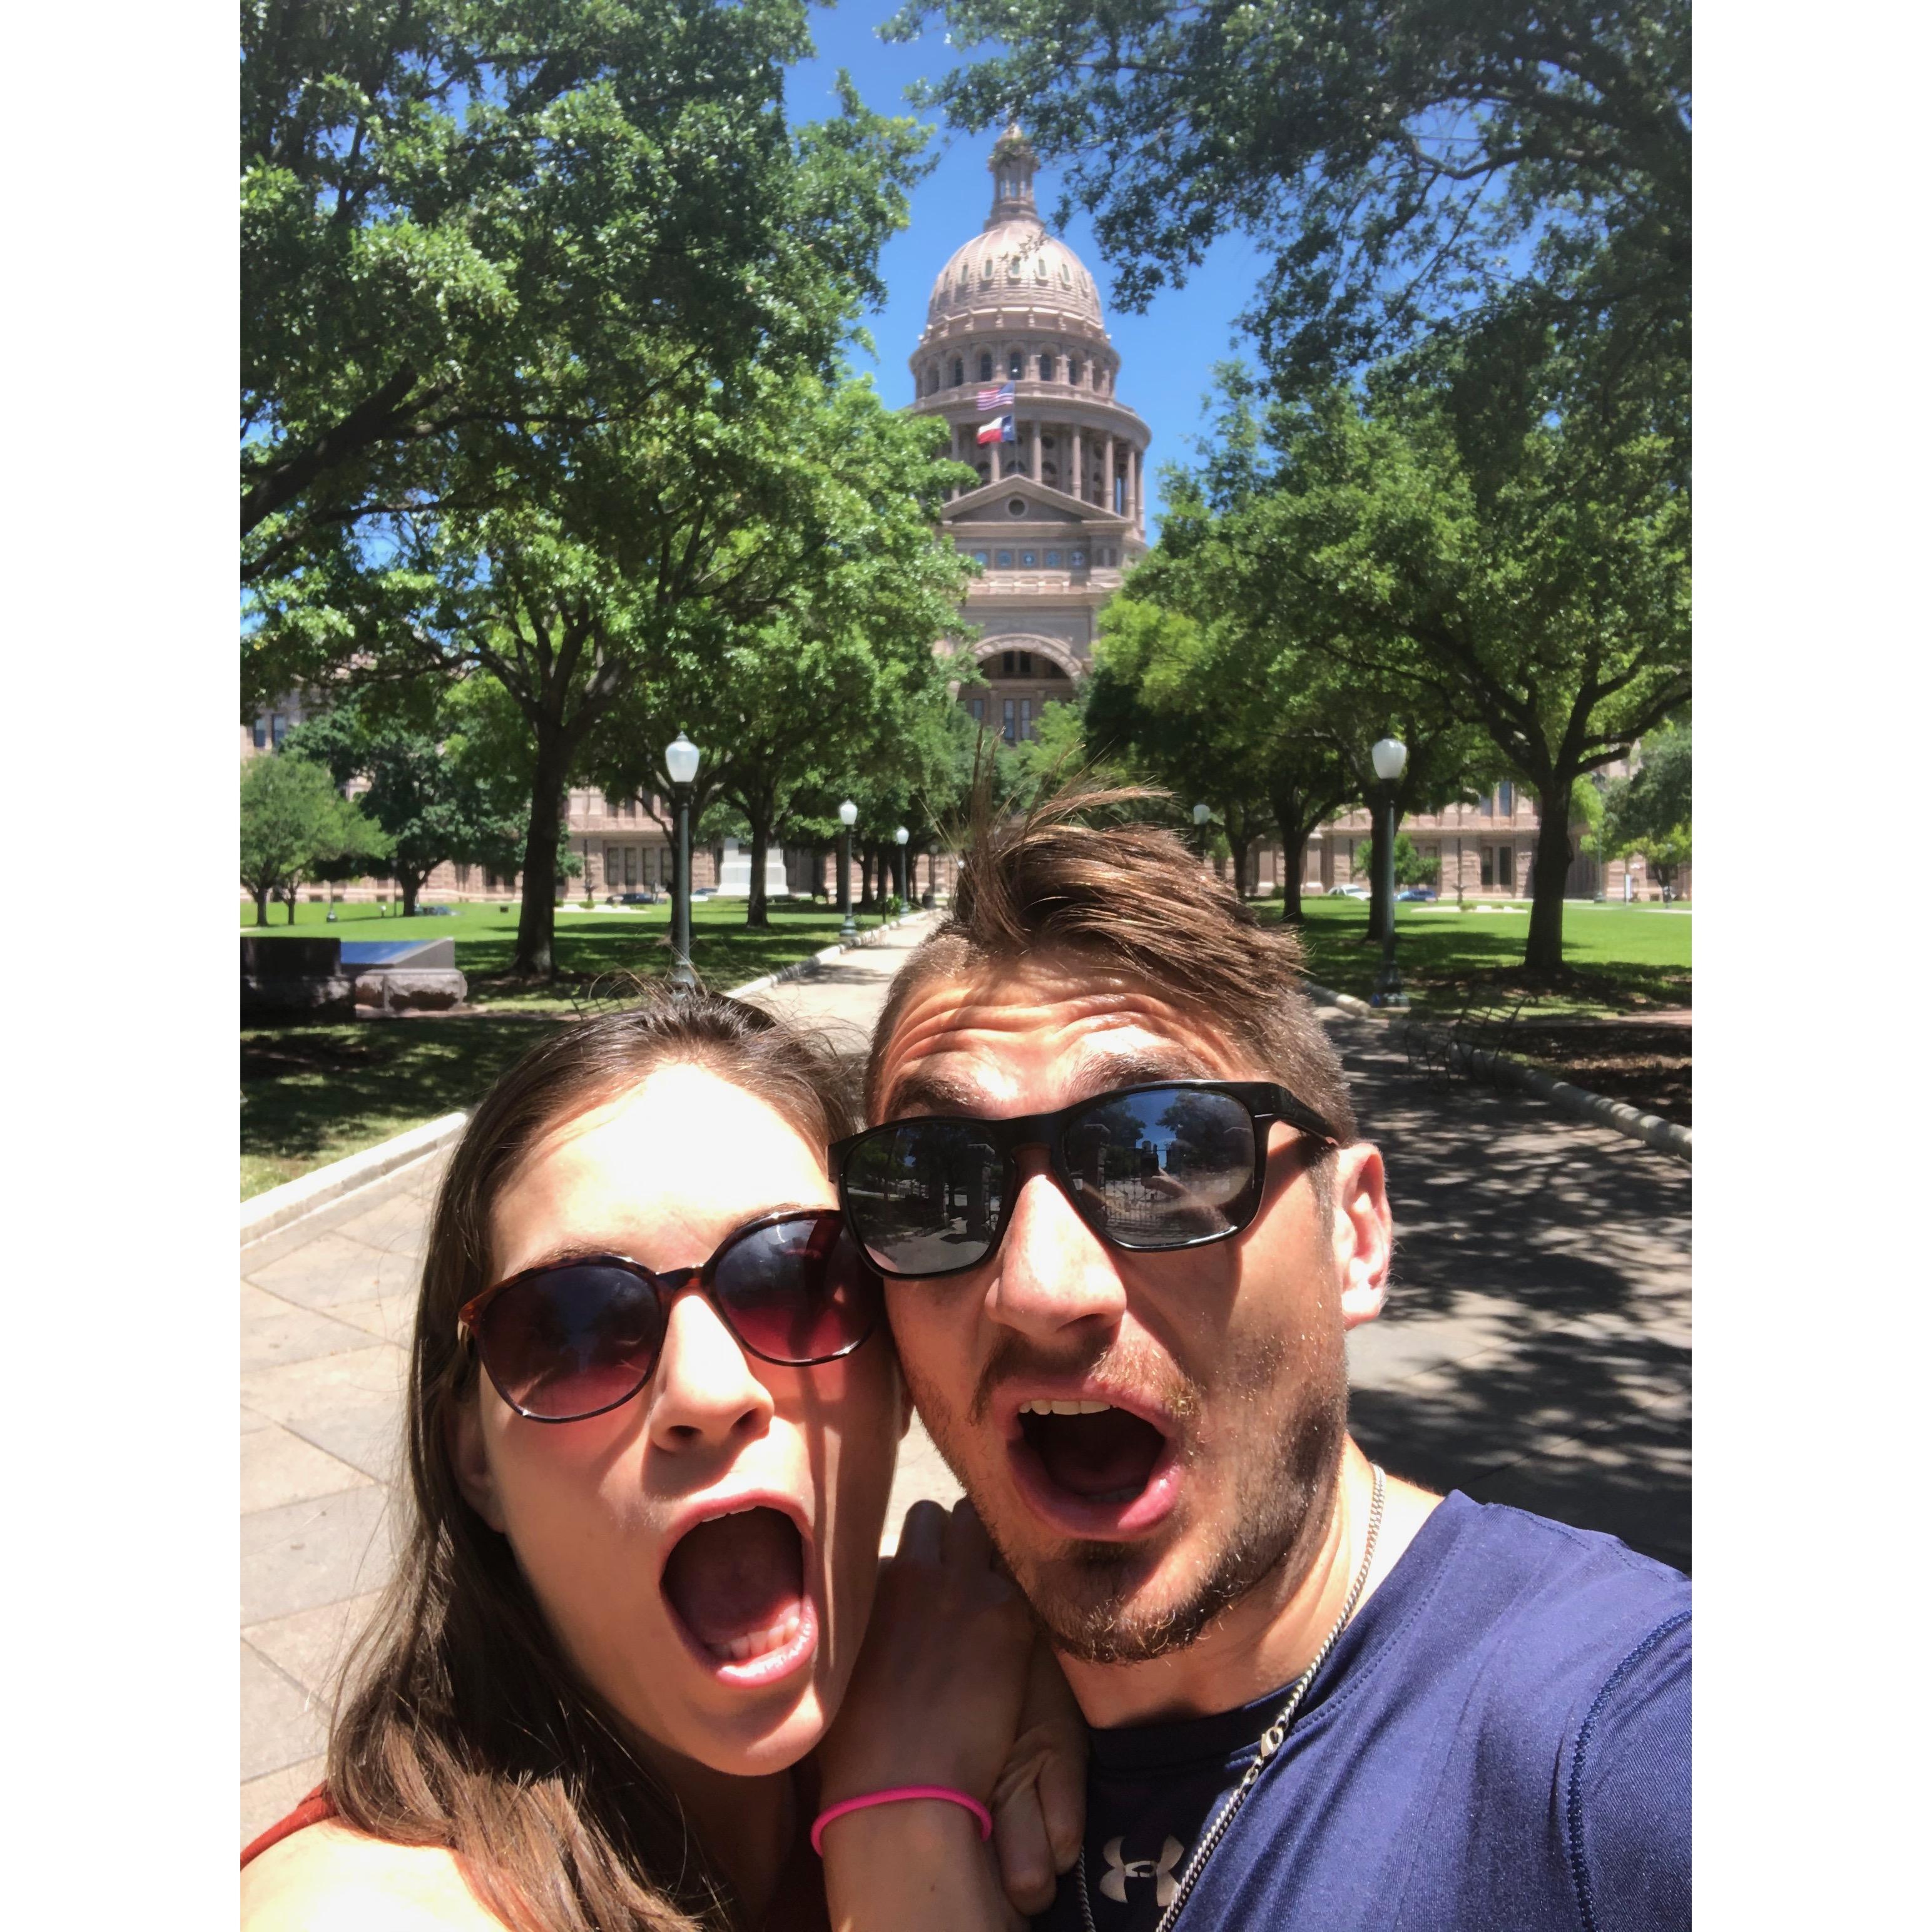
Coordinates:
[652,1416]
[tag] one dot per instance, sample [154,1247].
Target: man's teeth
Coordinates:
[1041,1407]
[757,1643]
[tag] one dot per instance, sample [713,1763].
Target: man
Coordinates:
[1126,1223]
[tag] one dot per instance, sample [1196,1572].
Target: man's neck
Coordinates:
[1265,1641]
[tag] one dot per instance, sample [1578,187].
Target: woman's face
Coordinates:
[705,1552]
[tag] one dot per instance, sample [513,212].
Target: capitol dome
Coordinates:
[1013,260]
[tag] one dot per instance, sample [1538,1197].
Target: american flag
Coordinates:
[1001,431]
[1000,398]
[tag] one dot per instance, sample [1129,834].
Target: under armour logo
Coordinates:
[1114,1880]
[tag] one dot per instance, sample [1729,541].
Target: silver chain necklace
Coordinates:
[1271,1742]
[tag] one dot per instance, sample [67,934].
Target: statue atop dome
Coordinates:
[1012,164]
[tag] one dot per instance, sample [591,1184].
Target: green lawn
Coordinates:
[724,950]
[1619,959]
[311,1094]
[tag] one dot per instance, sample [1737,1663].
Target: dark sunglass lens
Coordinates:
[1165,1167]
[799,1291]
[925,1196]
[572,1340]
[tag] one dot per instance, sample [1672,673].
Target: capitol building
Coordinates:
[1016,358]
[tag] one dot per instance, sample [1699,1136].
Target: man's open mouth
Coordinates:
[737,1583]
[1091,1468]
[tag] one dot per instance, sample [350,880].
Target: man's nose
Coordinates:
[1053,1273]
[704,1394]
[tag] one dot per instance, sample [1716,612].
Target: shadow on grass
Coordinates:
[1447,962]
[314,1093]
[1537,1344]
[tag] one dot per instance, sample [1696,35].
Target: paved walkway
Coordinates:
[1536,1351]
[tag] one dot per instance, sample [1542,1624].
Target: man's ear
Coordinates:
[1364,1232]
[462,1430]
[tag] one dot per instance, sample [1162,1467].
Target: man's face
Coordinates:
[1213,1380]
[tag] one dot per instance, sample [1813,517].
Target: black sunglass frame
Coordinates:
[666,1284]
[1267,1102]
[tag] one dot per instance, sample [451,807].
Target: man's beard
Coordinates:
[1282,1491]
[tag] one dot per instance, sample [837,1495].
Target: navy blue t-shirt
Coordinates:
[1499,1742]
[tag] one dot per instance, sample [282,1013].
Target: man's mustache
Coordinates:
[1137,1366]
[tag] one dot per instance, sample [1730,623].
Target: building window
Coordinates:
[278,728]
[958,371]
[612,867]
[1015,506]
[1046,368]
[1506,868]
[261,734]
[1053,560]
[1004,559]
[1016,366]
[1488,876]
[1073,371]
[979,710]
[1077,559]
[1026,718]
[1026,664]
[1008,730]
[980,558]
[1506,800]
[1005,664]
[986,366]
[1486,808]
[1028,559]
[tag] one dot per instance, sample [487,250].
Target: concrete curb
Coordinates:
[268,1213]
[265,1213]
[1666,1136]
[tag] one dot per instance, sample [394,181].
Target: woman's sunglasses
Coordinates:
[578,1337]
[1147,1168]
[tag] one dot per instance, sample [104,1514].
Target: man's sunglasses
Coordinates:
[1147,1168]
[578,1337]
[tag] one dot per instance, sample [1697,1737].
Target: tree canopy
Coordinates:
[1414,169]
[294,824]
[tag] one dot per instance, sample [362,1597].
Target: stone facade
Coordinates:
[1059,514]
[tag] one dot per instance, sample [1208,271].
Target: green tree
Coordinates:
[1529,576]
[433,805]
[1414,171]
[1649,811]
[292,821]
[473,236]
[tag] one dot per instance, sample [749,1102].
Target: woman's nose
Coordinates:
[705,1392]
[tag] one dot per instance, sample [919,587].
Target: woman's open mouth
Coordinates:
[1091,1468]
[736,1582]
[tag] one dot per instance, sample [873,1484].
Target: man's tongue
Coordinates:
[1104,1458]
[737,1582]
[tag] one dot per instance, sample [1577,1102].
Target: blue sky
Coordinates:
[1166,355]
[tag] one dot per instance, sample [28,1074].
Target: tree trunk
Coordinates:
[1378,912]
[536,924]
[1294,862]
[756,912]
[289,901]
[1549,871]
[262,907]
[1237,849]
[412,887]
[865,878]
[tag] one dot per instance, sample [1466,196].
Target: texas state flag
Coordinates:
[1001,398]
[1000,431]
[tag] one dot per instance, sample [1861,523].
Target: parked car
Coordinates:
[1349,892]
[1410,894]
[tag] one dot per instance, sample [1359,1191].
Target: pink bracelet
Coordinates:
[898,1792]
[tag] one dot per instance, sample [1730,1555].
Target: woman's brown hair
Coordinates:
[460,1724]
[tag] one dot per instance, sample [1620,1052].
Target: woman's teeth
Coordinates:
[757,1643]
[1042,1407]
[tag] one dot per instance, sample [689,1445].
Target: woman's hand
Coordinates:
[953,1686]
[936,1694]
[1039,1805]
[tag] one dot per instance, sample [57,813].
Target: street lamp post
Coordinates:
[681,758]
[848,927]
[1389,756]
[899,838]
